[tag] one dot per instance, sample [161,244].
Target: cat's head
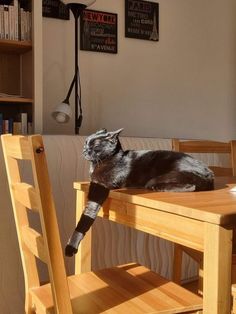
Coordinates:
[101,145]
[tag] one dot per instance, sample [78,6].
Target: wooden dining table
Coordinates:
[203,221]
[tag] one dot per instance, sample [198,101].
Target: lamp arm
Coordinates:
[70,89]
[79,102]
[79,95]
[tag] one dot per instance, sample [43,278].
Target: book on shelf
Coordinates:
[2,36]
[16,128]
[10,125]
[5,126]
[24,123]
[6,21]
[15,22]
[20,125]
[30,128]
[11,23]
[1,123]
[16,19]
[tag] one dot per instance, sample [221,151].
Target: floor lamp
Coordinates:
[63,112]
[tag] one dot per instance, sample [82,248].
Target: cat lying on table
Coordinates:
[113,168]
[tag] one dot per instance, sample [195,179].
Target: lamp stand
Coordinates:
[77,9]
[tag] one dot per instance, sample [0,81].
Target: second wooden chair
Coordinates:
[209,147]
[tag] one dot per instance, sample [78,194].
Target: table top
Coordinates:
[217,206]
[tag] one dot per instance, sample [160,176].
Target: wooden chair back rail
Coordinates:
[210,147]
[18,147]
[26,195]
[201,146]
[34,242]
[222,171]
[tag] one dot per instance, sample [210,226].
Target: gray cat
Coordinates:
[113,168]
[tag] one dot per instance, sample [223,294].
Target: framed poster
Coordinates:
[142,19]
[98,31]
[55,9]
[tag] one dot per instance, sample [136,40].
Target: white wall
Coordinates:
[182,86]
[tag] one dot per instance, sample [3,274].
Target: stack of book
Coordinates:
[21,125]
[15,22]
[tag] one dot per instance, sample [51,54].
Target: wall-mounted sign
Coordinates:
[98,31]
[55,9]
[142,19]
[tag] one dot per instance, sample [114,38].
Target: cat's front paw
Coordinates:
[70,250]
[73,243]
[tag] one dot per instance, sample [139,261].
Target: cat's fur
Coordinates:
[112,168]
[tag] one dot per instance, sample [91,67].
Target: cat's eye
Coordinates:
[96,149]
[96,143]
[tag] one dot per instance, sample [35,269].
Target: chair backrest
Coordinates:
[37,197]
[203,146]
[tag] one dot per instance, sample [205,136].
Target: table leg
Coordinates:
[217,269]
[83,258]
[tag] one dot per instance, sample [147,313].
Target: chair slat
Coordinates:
[233,156]
[202,147]
[26,195]
[17,147]
[35,243]
[211,147]
[221,171]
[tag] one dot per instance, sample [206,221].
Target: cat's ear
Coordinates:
[102,131]
[113,135]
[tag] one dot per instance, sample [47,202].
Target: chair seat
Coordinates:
[128,288]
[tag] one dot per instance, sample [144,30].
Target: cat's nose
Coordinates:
[87,151]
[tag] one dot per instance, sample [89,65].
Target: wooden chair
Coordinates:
[127,288]
[202,146]
[234,299]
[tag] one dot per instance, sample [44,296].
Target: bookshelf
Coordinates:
[21,70]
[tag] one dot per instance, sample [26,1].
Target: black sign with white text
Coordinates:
[142,19]
[98,31]
[55,9]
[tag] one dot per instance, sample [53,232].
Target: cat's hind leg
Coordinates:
[172,181]
[171,187]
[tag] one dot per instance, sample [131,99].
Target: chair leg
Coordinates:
[200,278]
[233,291]
[177,263]
[233,278]
[233,275]
[29,309]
